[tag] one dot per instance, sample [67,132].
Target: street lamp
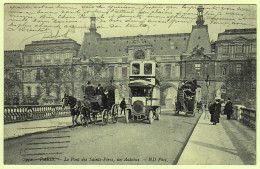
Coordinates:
[207,104]
[207,85]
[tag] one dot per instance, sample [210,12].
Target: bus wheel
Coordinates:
[158,113]
[150,117]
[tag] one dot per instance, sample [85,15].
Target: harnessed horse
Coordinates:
[77,107]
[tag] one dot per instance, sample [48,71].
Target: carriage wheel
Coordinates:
[105,116]
[150,116]
[158,113]
[127,116]
[193,114]
[114,113]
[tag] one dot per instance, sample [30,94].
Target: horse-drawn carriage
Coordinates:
[187,96]
[99,107]
[94,107]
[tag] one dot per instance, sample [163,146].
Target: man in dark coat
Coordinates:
[217,111]
[90,90]
[228,108]
[123,106]
[194,84]
[99,90]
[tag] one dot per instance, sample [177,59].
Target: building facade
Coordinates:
[181,56]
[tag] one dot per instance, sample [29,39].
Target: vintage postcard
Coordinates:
[129,83]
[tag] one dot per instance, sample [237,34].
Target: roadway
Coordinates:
[136,143]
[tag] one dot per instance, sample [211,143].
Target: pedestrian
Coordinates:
[194,84]
[89,90]
[203,109]
[228,108]
[199,106]
[216,112]
[211,110]
[123,106]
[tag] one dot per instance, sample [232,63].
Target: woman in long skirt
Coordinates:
[217,111]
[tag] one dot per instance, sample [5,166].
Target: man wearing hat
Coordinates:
[228,108]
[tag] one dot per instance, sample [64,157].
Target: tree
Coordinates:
[12,86]
[239,84]
[47,80]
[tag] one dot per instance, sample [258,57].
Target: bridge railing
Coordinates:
[21,113]
[248,117]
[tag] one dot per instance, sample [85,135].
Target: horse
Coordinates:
[77,108]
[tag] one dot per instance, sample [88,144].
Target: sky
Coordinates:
[24,23]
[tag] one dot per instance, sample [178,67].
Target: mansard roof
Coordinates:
[52,45]
[233,34]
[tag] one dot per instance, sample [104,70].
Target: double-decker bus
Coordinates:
[144,91]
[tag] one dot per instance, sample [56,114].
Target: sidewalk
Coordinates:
[22,128]
[227,143]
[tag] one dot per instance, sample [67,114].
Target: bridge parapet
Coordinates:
[248,117]
[22,113]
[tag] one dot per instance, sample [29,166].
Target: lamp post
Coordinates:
[207,85]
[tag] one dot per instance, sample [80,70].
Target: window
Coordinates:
[28,75]
[28,59]
[168,71]
[147,68]
[56,56]
[18,74]
[136,68]
[68,55]
[206,69]
[38,74]
[253,48]
[239,48]
[238,69]
[124,71]
[29,91]
[111,71]
[38,90]
[58,92]
[57,73]
[37,57]
[67,90]
[47,56]
[197,69]
[224,71]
